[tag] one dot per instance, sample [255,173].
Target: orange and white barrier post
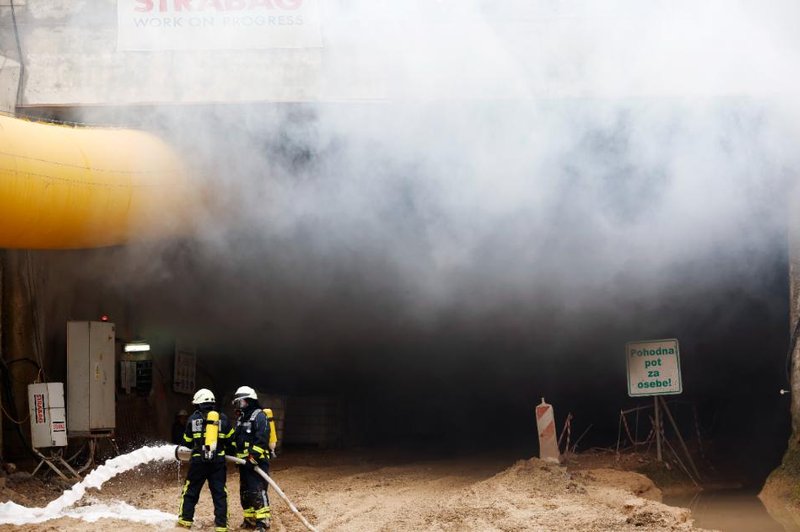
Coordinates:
[546,424]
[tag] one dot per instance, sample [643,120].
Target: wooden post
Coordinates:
[657,429]
[680,438]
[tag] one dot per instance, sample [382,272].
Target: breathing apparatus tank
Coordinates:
[212,434]
[273,434]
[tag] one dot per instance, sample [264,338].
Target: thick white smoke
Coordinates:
[466,157]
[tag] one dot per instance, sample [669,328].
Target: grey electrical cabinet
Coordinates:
[90,377]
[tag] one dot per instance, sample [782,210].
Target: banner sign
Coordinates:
[654,368]
[217,24]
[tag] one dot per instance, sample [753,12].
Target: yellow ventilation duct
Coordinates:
[80,187]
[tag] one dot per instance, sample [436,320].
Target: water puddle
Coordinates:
[733,510]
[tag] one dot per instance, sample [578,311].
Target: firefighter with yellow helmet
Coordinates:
[251,442]
[207,434]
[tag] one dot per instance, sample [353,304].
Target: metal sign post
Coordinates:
[657,429]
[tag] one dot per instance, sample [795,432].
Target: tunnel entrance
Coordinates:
[372,304]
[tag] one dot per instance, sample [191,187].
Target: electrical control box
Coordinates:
[136,373]
[48,418]
[90,377]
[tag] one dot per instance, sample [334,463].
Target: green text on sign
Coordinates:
[654,367]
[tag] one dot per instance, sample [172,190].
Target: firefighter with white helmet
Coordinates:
[251,440]
[207,434]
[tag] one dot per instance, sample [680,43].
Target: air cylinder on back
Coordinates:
[212,434]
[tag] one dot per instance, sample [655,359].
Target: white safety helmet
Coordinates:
[203,395]
[244,392]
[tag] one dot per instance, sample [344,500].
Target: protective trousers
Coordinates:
[253,494]
[198,473]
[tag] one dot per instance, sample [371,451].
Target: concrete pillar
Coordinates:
[19,350]
[794,317]
[2,354]
[9,84]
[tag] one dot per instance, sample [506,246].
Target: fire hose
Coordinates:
[184,454]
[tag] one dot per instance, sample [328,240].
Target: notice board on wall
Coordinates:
[183,380]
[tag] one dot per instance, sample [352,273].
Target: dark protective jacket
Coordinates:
[251,435]
[194,435]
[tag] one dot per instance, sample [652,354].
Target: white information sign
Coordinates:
[184,372]
[217,24]
[654,368]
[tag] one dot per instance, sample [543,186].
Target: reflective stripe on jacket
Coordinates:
[251,435]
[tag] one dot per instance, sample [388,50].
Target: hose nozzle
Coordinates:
[184,454]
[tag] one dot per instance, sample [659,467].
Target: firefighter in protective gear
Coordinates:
[251,442]
[207,434]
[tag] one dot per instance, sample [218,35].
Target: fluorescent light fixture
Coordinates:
[137,347]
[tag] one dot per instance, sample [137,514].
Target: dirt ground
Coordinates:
[388,492]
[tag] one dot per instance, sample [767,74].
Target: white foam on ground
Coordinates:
[15,514]
[119,510]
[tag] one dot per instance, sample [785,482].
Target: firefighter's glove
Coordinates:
[251,461]
[272,453]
